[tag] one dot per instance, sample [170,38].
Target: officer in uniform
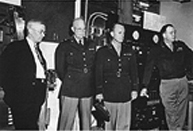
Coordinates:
[117,79]
[74,66]
[173,59]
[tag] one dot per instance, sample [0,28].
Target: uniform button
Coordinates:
[84,59]
[118,74]
[85,65]
[33,83]
[119,59]
[120,69]
[119,65]
[83,53]
[85,70]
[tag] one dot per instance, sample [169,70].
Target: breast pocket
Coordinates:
[108,64]
[126,60]
[70,58]
[91,55]
[127,56]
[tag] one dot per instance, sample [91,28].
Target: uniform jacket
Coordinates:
[74,66]
[116,76]
[171,64]
[17,75]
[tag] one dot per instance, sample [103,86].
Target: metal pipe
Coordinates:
[77,8]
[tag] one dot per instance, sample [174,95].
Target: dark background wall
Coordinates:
[57,14]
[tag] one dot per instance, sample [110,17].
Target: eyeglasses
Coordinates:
[40,31]
[79,29]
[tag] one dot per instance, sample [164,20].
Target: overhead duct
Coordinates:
[182,1]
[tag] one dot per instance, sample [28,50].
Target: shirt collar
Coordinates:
[78,40]
[30,42]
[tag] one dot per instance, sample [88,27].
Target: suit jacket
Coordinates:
[74,66]
[18,74]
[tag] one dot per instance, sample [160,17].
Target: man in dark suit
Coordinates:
[22,69]
[74,66]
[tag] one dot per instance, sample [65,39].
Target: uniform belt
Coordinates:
[117,74]
[174,77]
[40,80]
[84,70]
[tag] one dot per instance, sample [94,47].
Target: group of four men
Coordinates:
[109,74]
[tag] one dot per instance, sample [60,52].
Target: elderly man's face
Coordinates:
[79,29]
[37,32]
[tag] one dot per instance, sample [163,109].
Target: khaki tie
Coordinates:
[172,47]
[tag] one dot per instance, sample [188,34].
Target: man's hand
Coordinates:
[99,97]
[144,92]
[134,95]
[190,82]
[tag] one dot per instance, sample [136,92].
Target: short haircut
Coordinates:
[29,25]
[77,19]
[163,29]
[113,27]
[30,22]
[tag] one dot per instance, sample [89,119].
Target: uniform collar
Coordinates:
[77,45]
[164,46]
[113,51]
[78,40]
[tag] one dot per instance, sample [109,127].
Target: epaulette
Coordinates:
[103,47]
[65,40]
[127,44]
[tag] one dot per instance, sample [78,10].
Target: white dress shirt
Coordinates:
[40,73]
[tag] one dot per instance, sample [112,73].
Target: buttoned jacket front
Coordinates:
[18,73]
[74,66]
[116,76]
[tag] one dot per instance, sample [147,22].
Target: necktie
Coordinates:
[172,47]
[40,56]
[80,42]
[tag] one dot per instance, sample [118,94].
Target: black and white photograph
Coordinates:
[96,65]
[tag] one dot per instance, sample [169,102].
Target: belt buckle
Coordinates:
[85,70]
[43,80]
[118,74]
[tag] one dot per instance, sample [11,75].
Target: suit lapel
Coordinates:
[28,50]
[123,50]
[86,44]
[75,44]
[28,53]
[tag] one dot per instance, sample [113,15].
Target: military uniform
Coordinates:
[174,68]
[116,77]
[74,66]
